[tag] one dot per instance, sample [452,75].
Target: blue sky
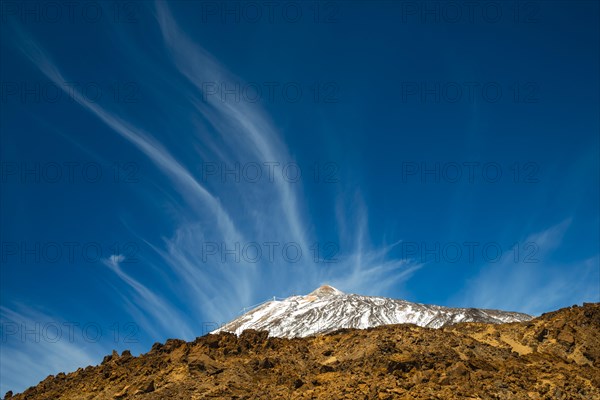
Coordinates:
[165,165]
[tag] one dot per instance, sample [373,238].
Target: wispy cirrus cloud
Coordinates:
[191,291]
[156,308]
[242,125]
[182,282]
[270,211]
[35,344]
[181,178]
[537,285]
[245,128]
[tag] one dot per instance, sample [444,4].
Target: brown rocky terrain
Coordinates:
[554,356]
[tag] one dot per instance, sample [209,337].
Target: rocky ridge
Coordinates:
[555,356]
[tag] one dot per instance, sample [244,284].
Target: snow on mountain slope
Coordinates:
[328,309]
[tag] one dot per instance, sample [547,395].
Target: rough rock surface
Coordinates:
[555,356]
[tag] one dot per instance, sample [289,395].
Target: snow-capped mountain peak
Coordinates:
[328,309]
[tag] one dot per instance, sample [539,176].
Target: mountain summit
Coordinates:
[327,309]
[324,291]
